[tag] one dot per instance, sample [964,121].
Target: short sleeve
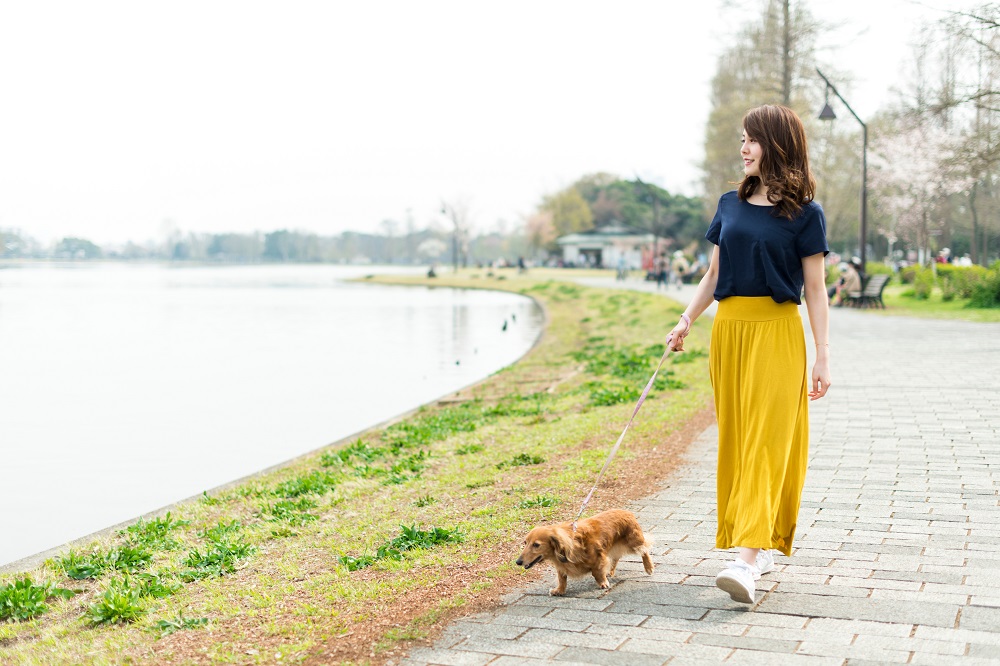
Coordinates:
[811,238]
[715,228]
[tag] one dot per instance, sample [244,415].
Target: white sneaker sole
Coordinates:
[734,589]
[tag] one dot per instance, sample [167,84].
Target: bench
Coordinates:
[871,294]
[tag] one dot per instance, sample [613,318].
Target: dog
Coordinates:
[595,547]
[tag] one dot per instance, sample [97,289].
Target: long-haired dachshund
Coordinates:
[595,547]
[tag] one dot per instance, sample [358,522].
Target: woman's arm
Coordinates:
[703,297]
[814,272]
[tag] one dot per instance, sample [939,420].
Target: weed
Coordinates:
[125,558]
[520,460]
[359,450]
[293,512]
[79,567]
[23,599]
[120,602]
[221,532]
[154,534]
[208,500]
[469,448]
[520,405]
[156,586]
[410,538]
[316,482]
[435,426]
[356,563]
[426,500]
[218,559]
[180,623]
[539,500]
[368,471]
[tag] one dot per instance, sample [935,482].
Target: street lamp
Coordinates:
[656,214]
[828,114]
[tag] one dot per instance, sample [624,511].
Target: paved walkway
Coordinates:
[897,557]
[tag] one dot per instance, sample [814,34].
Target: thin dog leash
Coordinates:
[621,437]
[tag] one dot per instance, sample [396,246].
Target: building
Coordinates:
[602,246]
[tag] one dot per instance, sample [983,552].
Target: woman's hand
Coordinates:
[675,339]
[820,379]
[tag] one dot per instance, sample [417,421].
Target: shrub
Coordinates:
[923,283]
[986,294]
[959,281]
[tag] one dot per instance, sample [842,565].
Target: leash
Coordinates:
[621,437]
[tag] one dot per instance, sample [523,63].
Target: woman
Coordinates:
[770,241]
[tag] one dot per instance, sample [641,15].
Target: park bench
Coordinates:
[871,294]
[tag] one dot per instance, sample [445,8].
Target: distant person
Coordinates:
[622,269]
[770,242]
[850,281]
[520,265]
[431,272]
[679,267]
[660,268]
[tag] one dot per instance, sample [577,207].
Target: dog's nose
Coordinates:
[519,562]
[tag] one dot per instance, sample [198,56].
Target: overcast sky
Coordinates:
[326,116]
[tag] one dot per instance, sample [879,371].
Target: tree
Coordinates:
[457,212]
[569,210]
[951,104]
[771,61]
[540,231]
[77,248]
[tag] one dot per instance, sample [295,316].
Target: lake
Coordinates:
[124,388]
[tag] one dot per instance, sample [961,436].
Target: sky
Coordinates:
[126,120]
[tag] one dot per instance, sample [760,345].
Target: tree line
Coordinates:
[427,246]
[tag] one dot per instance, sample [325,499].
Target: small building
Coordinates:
[601,247]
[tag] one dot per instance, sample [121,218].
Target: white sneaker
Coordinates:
[738,580]
[765,561]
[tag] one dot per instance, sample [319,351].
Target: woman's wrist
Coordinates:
[687,320]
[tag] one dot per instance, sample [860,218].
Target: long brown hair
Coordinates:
[784,164]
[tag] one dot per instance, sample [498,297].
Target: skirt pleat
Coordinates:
[758,367]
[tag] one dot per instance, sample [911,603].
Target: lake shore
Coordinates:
[518,448]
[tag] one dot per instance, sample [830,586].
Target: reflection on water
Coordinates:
[124,388]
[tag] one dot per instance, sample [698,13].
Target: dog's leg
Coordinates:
[560,589]
[614,565]
[600,571]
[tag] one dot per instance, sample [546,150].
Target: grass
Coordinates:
[900,300]
[327,554]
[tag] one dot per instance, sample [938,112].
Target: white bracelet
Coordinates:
[687,320]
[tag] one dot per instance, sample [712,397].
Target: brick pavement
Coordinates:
[897,556]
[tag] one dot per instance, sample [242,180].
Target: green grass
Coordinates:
[292,558]
[899,300]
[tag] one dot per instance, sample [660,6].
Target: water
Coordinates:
[124,388]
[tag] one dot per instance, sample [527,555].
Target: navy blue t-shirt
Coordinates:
[760,254]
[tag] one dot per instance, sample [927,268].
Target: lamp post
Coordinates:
[828,114]
[656,214]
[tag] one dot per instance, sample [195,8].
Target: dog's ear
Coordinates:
[558,548]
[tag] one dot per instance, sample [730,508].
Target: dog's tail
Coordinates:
[647,548]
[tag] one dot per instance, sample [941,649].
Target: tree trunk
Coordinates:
[786,55]
[975,224]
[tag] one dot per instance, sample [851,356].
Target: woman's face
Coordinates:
[751,152]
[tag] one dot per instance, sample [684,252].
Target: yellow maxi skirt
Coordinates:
[757,361]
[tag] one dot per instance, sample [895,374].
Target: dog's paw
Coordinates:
[556,592]
[605,585]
